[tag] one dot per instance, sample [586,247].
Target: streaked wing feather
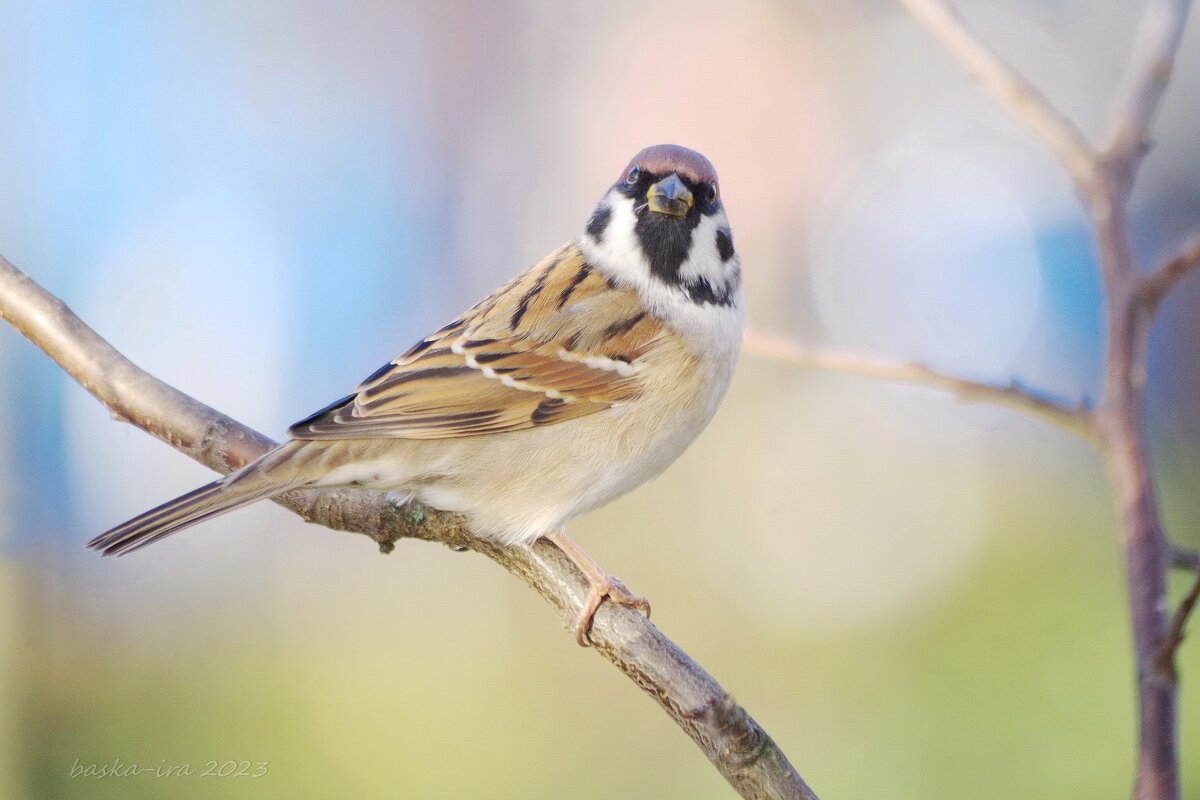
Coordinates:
[556,343]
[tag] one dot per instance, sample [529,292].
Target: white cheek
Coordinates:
[619,253]
[704,259]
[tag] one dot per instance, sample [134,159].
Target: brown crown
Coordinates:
[663,159]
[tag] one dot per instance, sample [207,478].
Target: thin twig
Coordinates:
[739,748]
[1010,89]
[1151,60]
[1074,418]
[1185,559]
[1158,284]
[1165,660]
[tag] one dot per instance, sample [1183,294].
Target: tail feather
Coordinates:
[218,497]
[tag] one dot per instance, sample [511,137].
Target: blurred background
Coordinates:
[262,202]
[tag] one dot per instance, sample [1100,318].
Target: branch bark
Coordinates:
[1074,418]
[1008,88]
[1152,58]
[1122,404]
[1185,559]
[1174,638]
[1158,284]
[1105,179]
[736,745]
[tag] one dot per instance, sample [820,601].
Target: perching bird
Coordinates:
[574,383]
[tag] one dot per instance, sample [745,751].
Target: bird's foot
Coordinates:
[601,585]
[616,592]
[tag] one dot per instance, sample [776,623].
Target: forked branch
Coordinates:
[1151,61]
[1104,180]
[1166,654]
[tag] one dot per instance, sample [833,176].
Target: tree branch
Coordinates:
[1151,60]
[1121,412]
[1158,284]
[736,745]
[1175,634]
[1104,180]
[1184,558]
[1010,89]
[1074,418]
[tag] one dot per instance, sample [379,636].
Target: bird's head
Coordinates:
[663,222]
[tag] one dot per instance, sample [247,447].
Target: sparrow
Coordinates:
[569,386]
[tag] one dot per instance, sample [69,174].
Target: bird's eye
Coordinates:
[712,193]
[633,176]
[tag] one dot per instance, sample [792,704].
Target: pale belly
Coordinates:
[517,487]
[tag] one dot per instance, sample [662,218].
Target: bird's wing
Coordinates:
[556,343]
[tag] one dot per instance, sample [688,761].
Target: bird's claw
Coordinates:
[616,592]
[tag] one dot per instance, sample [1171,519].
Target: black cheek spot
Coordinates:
[702,292]
[598,223]
[725,244]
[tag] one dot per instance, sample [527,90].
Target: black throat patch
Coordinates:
[666,241]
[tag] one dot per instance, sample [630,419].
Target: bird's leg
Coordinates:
[600,586]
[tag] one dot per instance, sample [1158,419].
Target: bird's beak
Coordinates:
[670,196]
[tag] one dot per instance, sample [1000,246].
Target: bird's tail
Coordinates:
[253,482]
